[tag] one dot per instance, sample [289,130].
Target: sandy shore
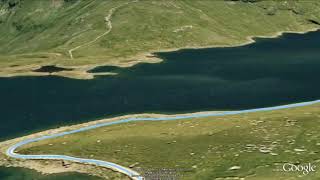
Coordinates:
[249,40]
[81,72]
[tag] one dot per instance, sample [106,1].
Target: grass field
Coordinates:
[42,32]
[250,146]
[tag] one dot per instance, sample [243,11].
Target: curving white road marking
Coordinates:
[127,171]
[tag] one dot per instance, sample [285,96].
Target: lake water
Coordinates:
[25,174]
[267,73]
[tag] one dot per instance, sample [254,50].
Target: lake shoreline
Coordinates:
[82,72]
[55,165]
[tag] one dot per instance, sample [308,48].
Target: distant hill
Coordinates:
[45,31]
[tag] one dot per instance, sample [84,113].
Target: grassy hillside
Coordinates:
[250,146]
[37,32]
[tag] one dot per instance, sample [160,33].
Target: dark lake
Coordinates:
[51,69]
[104,69]
[267,73]
[26,174]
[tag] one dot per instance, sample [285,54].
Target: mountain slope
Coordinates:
[37,32]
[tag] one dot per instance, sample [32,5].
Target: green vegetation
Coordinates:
[42,32]
[253,145]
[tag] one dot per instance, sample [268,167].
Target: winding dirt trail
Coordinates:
[108,22]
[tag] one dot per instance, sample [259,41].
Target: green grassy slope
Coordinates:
[55,26]
[259,143]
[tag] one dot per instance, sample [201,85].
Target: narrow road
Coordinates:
[108,22]
[127,171]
